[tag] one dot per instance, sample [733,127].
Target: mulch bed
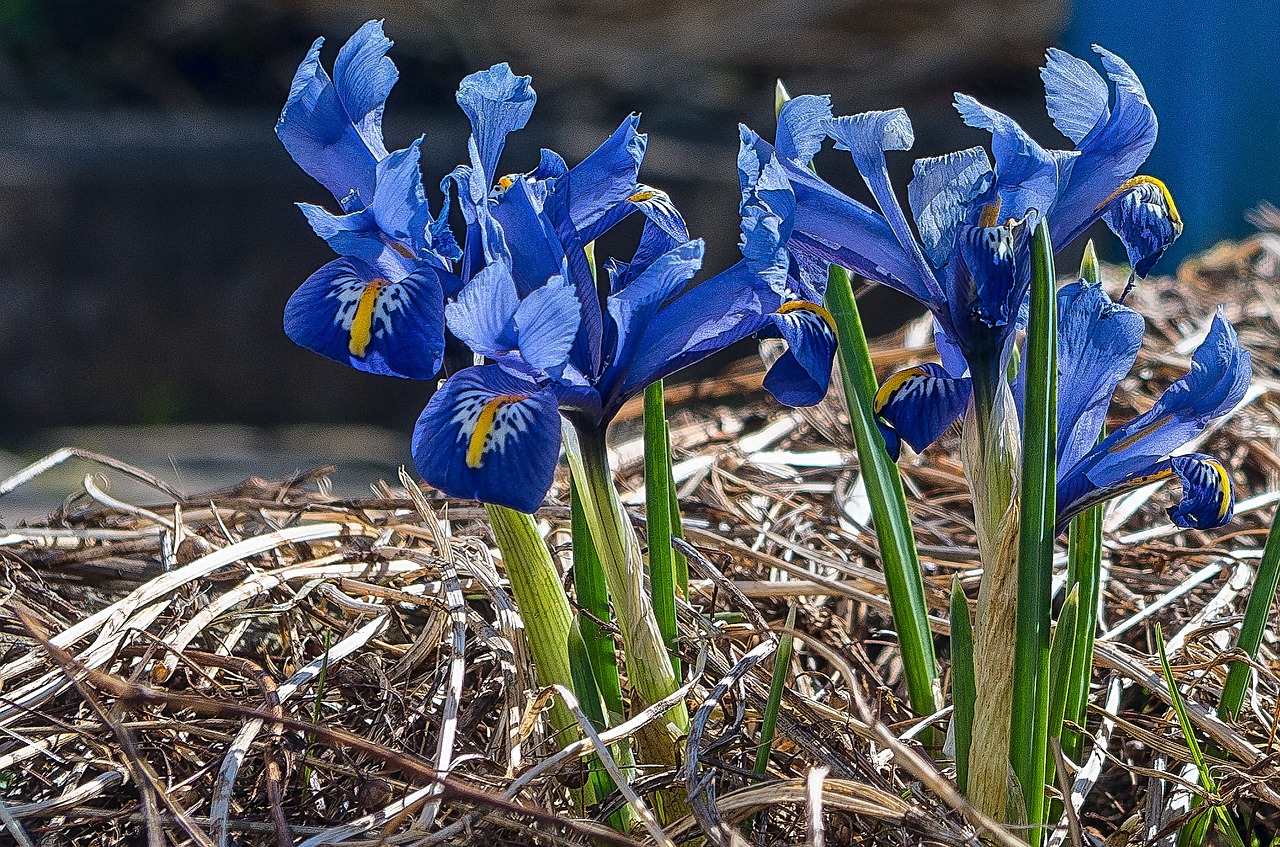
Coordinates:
[272,665]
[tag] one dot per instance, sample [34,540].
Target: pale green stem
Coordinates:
[648,663]
[544,608]
[990,450]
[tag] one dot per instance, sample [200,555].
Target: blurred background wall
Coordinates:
[148,240]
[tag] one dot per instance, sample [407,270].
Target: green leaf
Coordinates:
[963,688]
[1060,662]
[1037,530]
[1223,820]
[888,500]
[1256,612]
[658,514]
[593,601]
[769,723]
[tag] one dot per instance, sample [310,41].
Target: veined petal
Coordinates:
[1207,498]
[802,127]
[1098,343]
[491,436]
[605,179]
[1207,501]
[941,193]
[664,230]
[497,102]
[535,248]
[1111,151]
[346,312]
[546,323]
[801,375]
[1076,95]
[919,403]
[867,136]
[831,227]
[1026,173]
[483,316]
[1219,376]
[334,132]
[1143,214]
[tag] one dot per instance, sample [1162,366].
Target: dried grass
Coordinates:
[271,665]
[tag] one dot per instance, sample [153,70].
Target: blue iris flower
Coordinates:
[970,263]
[1098,343]
[556,344]
[379,307]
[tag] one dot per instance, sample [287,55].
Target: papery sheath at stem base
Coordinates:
[991,456]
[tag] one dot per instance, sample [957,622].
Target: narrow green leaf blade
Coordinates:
[1029,741]
[658,515]
[593,600]
[888,500]
[964,691]
[769,722]
[1256,612]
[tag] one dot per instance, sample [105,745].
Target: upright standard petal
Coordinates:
[600,184]
[1026,173]
[918,404]
[347,312]
[1098,343]
[867,136]
[1111,151]
[497,102]
[334,131]
[490,436]
[941,192]
[802,127]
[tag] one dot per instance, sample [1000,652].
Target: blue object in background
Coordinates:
[1212,73]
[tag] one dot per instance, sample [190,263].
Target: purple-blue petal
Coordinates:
[1207,499]
[333,131]
[346,312]
[941,192]
[483,316]
[1026,173]
[802,374]
[497,102]
[918,404]
[802,127]
[490,436]
[1098,342]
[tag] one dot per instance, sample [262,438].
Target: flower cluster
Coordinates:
[522,290]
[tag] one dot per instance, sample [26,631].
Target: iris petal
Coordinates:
[1114,148]
[940,192]
[1026,173]
[346,312]
[802,374]
[490,436]
[600,184]
[1098,343]
[918,404]
[497,102]
[1207,499]
[802,127]
[1142,213]
[333,131]
[483,316]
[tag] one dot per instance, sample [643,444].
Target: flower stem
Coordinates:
[648,663]
[543,606]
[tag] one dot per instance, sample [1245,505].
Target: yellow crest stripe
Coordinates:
[484,424]
[893,385]
[362,323]
[805,306]
[1133,183]
[1224,493]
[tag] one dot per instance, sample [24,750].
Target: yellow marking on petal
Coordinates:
[806,306]
[506,182]
[402,249]
[362,323]
[990,214]
[643,195]
[484,424]
[1133,439]
[894,384]
[1136,181]
[1225,491]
